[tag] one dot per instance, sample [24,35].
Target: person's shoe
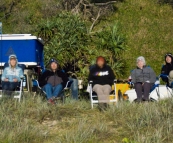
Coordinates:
[137,101]
[144,100]
[51,101]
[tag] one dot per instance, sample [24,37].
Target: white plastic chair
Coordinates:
[94,97]
[17,93]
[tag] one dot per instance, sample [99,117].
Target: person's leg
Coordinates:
[48,89]
[5,85]
[57,90]
[170,79]
[147,88]
[13,86]
[99,90]
[106,90]
[74,88]
[138,89]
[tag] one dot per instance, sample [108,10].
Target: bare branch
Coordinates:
[98,15]
[104,4]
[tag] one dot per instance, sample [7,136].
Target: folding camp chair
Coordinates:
[94,97]
[42,92]
[18,91]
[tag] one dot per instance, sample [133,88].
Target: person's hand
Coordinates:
[15,80]
[142,84]
[6,79]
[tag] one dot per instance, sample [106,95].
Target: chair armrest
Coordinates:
[22,77]
[90,82]
[68,84]
[163,76]
[115,80]
[34,80]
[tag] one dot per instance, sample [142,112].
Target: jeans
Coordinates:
[10,86]
[74,88]
[52,91]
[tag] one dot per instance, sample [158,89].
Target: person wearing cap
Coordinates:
[102,77]
[11,75]
[53,81]
[167,69]
[143,78]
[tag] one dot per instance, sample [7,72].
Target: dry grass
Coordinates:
[34,121]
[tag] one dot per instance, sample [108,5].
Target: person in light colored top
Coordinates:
[143,78]
[11,75]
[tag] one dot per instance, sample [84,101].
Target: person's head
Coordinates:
[100,61]
[140,62]
[53,64]
[13,60]
[169,58]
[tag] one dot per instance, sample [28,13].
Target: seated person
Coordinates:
[102,76]
[167,69]
[143,78]
[11,75]
[53,81]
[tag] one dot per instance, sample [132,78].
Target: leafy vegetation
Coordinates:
[145,25]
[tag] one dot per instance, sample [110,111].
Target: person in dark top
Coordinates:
[102,77]
[53,81]
[167,69]
[143,78]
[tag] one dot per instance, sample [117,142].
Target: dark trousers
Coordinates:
[143,90]
[9,86]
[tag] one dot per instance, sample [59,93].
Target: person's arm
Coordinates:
[20,75]
[152,76]
[163,73]
[3,77]
[43,79]
[64,79]
[90,77]
[133,76]
[111,76]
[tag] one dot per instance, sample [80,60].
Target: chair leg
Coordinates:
[63,99]
[91,105]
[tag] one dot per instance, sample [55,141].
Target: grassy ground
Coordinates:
[34,121]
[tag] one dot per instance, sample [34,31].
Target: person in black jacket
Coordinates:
[53,81]
[167,69]
[102,76]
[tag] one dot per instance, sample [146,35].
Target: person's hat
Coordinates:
[12,57]
[53,60]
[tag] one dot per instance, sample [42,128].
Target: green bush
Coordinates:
[68,40]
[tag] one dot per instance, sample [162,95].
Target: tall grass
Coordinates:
[34,121]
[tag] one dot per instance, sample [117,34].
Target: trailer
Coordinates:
[29,51]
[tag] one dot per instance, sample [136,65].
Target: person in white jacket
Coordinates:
[11,75]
